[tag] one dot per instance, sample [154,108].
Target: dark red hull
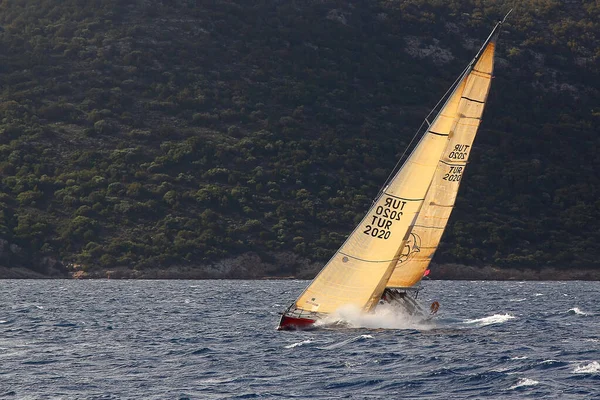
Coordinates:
[291,323]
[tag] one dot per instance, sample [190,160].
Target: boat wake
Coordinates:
[385,316]
[493,319]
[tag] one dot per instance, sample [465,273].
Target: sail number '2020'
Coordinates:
[384,217]
[454,175]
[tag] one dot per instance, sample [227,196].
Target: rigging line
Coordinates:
[426,120]
[451,88]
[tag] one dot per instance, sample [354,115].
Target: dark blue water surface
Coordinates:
[217,340]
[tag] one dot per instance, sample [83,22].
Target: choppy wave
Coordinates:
[524,382]
[346,342]
[577,311]
[590,368]
[492,319]
[551,363]
[140,339]
[302,343]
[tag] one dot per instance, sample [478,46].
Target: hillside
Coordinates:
[155,135]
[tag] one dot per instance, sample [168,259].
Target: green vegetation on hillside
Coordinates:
[164,133]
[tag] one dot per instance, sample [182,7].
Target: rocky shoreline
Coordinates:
[282,265]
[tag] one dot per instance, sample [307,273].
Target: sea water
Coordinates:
[106,339]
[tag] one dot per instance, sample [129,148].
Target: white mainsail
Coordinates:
[429,226]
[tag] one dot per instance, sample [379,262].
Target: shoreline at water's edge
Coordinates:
[491,273]
[26,273]
[438,272]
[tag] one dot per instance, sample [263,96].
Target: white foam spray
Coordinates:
[384,316]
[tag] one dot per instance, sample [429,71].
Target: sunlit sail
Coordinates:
[429,226]
[374,256]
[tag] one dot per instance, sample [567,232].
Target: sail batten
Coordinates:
[402,198]
[372,261]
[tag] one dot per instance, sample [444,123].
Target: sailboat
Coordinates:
[386,256]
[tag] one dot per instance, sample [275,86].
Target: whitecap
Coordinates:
[519,358]
[538,294]
[3,322]
[517,300]
[590,368]
[524,382]
[549,361]
[576,310]
[291,346]
[216,381]
[349,364]
[347,341]
[493,319]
